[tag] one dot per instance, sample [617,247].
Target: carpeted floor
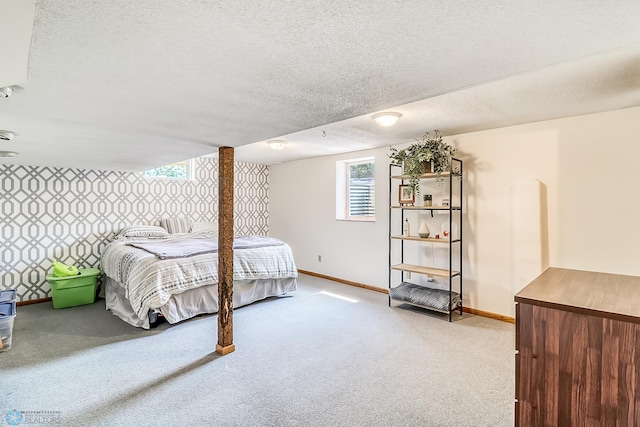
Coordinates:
[311,358]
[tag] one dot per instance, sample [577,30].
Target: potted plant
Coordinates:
[429,154]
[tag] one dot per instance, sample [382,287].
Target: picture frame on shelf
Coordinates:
[405,195]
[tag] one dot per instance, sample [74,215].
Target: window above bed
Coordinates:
[178,171]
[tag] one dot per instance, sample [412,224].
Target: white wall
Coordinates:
[497,160]
[587,165]
[598,182]
[302,213]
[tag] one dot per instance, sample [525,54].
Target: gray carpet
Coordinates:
[308,359]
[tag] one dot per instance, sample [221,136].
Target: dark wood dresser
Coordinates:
[578,350]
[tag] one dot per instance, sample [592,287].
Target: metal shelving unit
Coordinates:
[422,295]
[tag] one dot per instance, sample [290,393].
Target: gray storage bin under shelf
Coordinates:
[436,299]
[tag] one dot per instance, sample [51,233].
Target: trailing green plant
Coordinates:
[428,154]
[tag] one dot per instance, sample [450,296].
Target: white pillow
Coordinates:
[141,231]
[176,225]
[205,227]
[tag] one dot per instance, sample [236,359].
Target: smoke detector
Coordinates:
[5,92]
[6,135]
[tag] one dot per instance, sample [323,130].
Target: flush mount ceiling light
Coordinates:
[386,118]
[6,135]
[277,144]
[5,92]
[8,154]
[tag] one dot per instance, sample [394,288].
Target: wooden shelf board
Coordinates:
[423,306]
[422,239]
[424,270]
[427,208]
[423,176]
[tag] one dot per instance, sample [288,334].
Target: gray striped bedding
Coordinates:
[149,282]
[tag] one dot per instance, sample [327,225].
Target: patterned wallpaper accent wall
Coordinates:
[69,214]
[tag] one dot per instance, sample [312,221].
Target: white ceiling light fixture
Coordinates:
[6,135]
[8,154]
[387,118]
[5,92]
[277,144]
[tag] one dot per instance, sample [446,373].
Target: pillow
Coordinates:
[141,231]
[205,227]
[176,225]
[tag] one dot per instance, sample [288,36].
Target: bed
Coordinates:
[149,272]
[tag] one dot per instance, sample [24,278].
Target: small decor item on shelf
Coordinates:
[444,229]
[445,202]
[406,231]
[424,231]
[446,233]
[405,195]
[428,199]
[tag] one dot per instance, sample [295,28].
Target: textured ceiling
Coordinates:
[132,85]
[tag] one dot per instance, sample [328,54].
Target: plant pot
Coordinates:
[426,168]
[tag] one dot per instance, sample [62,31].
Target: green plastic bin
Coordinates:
[71,291]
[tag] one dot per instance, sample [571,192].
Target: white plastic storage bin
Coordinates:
[8,295]
[7,315]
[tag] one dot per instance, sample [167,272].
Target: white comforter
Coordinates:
[149,282]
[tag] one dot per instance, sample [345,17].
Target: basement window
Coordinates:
[178,171]
[356,189]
